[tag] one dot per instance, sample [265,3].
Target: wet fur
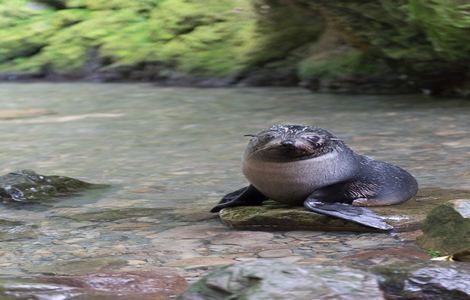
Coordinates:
[334,174]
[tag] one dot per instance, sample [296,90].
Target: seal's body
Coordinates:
[292,182]
[305,165]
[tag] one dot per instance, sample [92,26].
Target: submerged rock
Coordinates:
[80,266]
[447,227]
[14,230]
[23,288]
[116,214]
[425,280]
[141,285]
[29,187]
[273,216]
[266,279]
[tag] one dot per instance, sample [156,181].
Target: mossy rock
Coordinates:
[405,217]
[274,216]
[25,186]
[447,228]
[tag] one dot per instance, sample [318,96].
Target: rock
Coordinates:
[398,252]
[23,113]
[241,238]
[267,279]
[447,227]
[280,217]
[201,261]
[25,288]
[275,253]
[116,214]
[425,280]
[80,266]
[462,256]
[192,232]
[272,216]
[157,284]
[410,215]
[29,187]
[15,230]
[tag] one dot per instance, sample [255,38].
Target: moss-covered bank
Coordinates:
[340,46]
[176,41]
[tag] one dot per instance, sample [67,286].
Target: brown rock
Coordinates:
[157,284]
[241,238]
[202,261]
[275,253]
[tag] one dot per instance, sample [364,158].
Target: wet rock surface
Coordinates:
[447,227]
[146,285]
[280,217]
[425,280]
[116,214]
[273,216]
[392,278]
[275,280]
[16,230]
[27,186]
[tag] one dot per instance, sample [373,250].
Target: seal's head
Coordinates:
[290,142]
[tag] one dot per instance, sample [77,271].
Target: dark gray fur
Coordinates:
[327,171]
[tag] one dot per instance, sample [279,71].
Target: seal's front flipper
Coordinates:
[347,212]
[245,196]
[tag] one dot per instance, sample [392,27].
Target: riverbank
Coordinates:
[351,47]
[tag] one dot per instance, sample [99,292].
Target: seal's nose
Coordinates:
[288,144]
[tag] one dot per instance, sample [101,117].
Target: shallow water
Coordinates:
[176,148]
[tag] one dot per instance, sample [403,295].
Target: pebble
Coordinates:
[275,253]
[135,262]
[202,261]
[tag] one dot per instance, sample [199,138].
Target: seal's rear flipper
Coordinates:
[245,196]
[347,212]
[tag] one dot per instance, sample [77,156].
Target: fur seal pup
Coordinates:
[309,166]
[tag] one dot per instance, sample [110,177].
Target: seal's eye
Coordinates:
[313,138]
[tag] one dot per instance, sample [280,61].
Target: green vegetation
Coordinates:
[344,64]
[424,41]
[434,253]
[210,38]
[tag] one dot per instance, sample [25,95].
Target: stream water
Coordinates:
[175,151]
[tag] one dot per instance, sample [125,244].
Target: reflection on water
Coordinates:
[181,147]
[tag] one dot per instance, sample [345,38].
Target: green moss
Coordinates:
[446,24]
[414,36]
[445,229]
[218,38]
[342,64]
[205,38]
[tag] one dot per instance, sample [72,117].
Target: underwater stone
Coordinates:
[116,214]
[26,186]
